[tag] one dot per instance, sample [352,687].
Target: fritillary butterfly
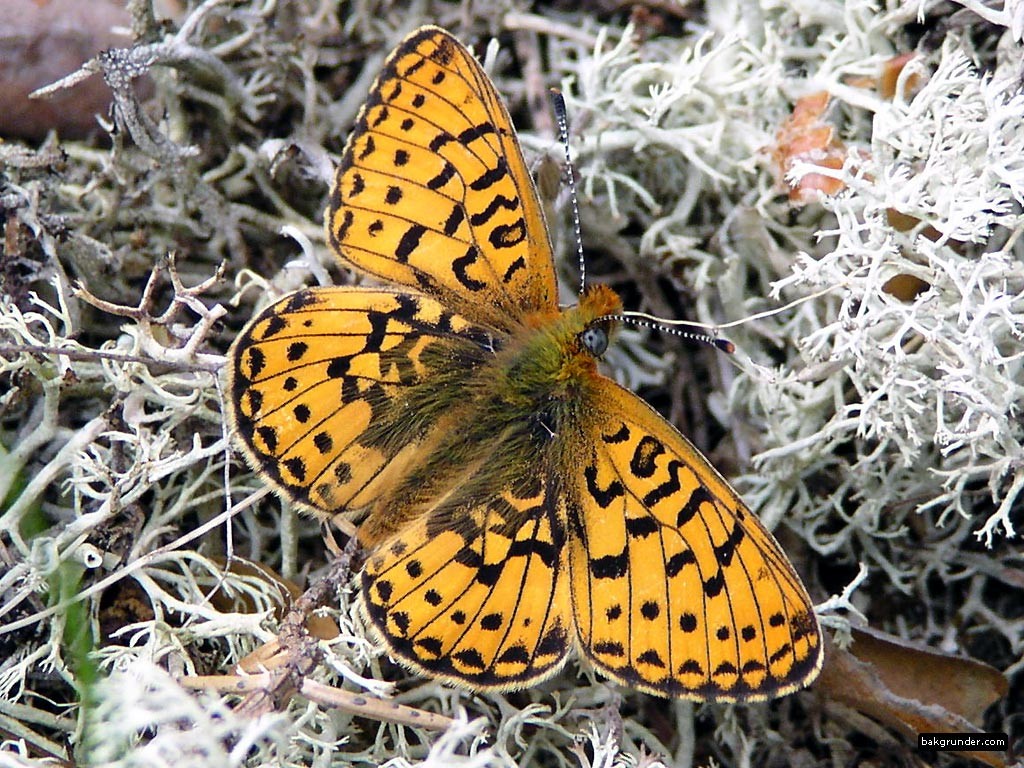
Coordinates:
[516,504]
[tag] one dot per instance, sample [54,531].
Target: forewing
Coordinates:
[432,190]
[474,591]
[322,384]
[677,588]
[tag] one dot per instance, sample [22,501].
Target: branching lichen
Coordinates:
[879,427]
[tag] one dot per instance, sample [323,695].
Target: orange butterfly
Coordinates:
[516,503]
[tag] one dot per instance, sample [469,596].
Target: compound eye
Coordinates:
[595,340]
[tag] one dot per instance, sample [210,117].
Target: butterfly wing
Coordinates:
[334,390]
[677,588]
[475,591]
[432,190]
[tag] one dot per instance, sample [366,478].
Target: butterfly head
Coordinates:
[557,354]
[598,307]
[595,340]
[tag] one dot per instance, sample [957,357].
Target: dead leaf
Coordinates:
[905,287]
[911,688]
[806,137]
[887,80]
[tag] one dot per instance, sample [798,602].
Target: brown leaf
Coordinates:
[888,78]
[905,287]
[806,137]
[904,222]
[912,688]
[891,74]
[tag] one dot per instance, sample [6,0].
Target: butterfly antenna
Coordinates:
[643,320]
[558,102]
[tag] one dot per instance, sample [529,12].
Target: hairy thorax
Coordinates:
[520,399]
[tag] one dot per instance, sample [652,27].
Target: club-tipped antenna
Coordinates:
[710,332]
[558,103]
[705,335]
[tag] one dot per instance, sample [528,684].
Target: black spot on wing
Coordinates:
[641,527]
[490,177]
[471,658]
[454,220]
[724,552]
[256,362]
[666,488]
[297,467]
[475,132]
[409,242]
[784,650]
[714,585]
[497,203]
[645,455]
[603,497]
[621,436]
[508,235]
[518,264]
[675,564]
[651,658]
[547,552]
[688,622]
[274,325]
[446,174]
[516,654]
[725,668]
[432,645]
[268,435]
[492,622]
[489,574]
[691,667]
[610,648]
[554,642]
[256,399]
[650,610]
[438,142]
[610,566]
[300,300]
[323,442]
[462,264]
[692,506]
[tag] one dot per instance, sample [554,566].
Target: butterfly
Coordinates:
[516,504]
